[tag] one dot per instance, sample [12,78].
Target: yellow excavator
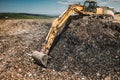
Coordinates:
[89,7]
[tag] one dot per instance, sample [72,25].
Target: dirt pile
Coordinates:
[89,47]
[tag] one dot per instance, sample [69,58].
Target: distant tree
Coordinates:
[117,12]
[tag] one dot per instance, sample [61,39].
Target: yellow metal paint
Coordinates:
[99,11]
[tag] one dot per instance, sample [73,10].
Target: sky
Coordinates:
[51,7]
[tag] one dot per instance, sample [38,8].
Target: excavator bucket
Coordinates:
[40,58]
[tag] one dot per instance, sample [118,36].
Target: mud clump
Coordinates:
[88,46]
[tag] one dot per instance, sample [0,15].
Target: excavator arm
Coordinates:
[41,57]
[57,24]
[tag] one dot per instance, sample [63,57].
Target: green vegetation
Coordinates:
[24,16]
[117,12]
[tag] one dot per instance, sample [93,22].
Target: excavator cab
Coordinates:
[90,6]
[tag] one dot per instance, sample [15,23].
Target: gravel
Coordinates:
[88,48]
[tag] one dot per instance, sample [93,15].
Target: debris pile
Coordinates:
[88,46]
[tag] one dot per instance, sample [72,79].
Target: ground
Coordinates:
[19,37]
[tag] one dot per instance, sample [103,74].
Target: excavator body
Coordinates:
[89,7]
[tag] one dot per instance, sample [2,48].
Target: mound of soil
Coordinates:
[88,46]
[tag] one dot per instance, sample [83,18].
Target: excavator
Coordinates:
[89,7]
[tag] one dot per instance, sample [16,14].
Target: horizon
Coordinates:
[29,13]
[47,7]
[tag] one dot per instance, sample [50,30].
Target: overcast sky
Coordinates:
[52,7]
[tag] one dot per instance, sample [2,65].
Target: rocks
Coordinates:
[87,49]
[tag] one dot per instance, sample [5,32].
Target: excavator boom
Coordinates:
[41,57]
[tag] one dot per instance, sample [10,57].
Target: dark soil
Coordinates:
[88,46]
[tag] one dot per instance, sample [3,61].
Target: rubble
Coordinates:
[88,48]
